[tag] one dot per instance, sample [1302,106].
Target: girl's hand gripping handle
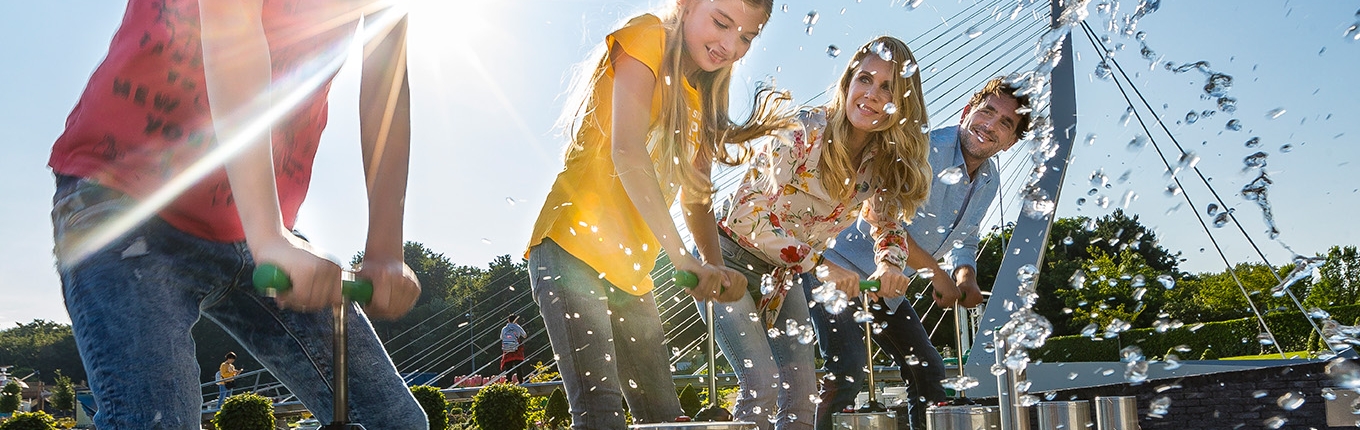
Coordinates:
[270,280]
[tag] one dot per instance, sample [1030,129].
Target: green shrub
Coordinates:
[501,407]
[29,421]
[434,404]
[689,401]
[9,400]
[557,413]
[246,411]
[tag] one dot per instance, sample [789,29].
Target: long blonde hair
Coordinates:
[900,168]
[676,161]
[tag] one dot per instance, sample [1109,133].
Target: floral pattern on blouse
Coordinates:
[782,213]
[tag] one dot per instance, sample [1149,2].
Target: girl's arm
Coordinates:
[385,134]
[237,70]
[632,102]
[703,226]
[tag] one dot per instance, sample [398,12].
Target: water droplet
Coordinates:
[1290,401]
[1159,407]
[1090,139]
[510,200]
[1124,119]
[1286,147]
[1265,339]
[1137,143]
[832,51]
[890,108]
[632,383]
[909,68]
[1218,85]
[1328,393]
[772,333]
[951,175]
[1227,104]
[1275,422]
[1067,240]
[1090,330]
[1275,113]
[1253,142]
[1234,125]
[811,20]
[1167,281]
[1221,220]
[974,31]
[1191,117]
[1255,161]
[1103,71]
[1026,273]
[784,8]
[486,241]
[1172,362]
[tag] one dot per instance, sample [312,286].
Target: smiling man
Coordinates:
[946,226]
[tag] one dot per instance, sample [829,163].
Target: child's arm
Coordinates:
[632,101]
[699,218]
[385,132]
[236,66]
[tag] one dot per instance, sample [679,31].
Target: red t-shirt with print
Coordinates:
[143,118]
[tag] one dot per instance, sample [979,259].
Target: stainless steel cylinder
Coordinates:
[966,417]
[1073,415]
[708,425]
[865,421]
[1117,413]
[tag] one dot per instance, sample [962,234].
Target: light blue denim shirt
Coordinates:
[946,224]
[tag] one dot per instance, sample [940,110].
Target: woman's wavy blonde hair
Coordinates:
[720,139]
[900,168]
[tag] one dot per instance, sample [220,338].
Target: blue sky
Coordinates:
[489,76]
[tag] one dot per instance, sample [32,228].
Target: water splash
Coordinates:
[1256,191]
[1218,84]
[1290,401]
[1227,104]
[1191,117]
[832,51]
[1304,267]
[811,20]
[1253,142]
[1255,161]
[1159,407]
[1233,125]
[951,175]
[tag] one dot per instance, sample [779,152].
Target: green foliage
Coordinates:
[43,346]
[557,413]
[64,394]
[1237,337]
[30,421]
[1217,296]
[9,401]
[1072,244]
[434,404]
[689,400]
[501,407]
[1338,281]
[247,411]
[1113,287]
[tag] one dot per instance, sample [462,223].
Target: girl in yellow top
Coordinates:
[652,120]
[866,150]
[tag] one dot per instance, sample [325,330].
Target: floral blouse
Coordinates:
[782,213]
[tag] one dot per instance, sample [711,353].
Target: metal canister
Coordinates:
[708,425]
[1117,413]
[865,420]
[1073,415]
[965,417]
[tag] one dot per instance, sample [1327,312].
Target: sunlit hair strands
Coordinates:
[900,168]
[676,161]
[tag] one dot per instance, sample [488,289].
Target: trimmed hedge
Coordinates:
[434,404]
[1224,338]
[501,407]
[246,411]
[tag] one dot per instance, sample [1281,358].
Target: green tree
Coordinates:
[1218,296]
[1338,280]
[9,398]
[64,394]
[41,345]
[1072,243]
[1113,287]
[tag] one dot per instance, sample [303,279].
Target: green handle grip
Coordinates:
[270,279]
[687,279]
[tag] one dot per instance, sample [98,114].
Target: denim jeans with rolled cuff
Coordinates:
[609,344]
[777,375]
[903,337]
[133,302]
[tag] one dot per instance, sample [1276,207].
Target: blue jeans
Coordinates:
[609,344]
[777,376]
[133,302]
[841,341]
[222,393]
